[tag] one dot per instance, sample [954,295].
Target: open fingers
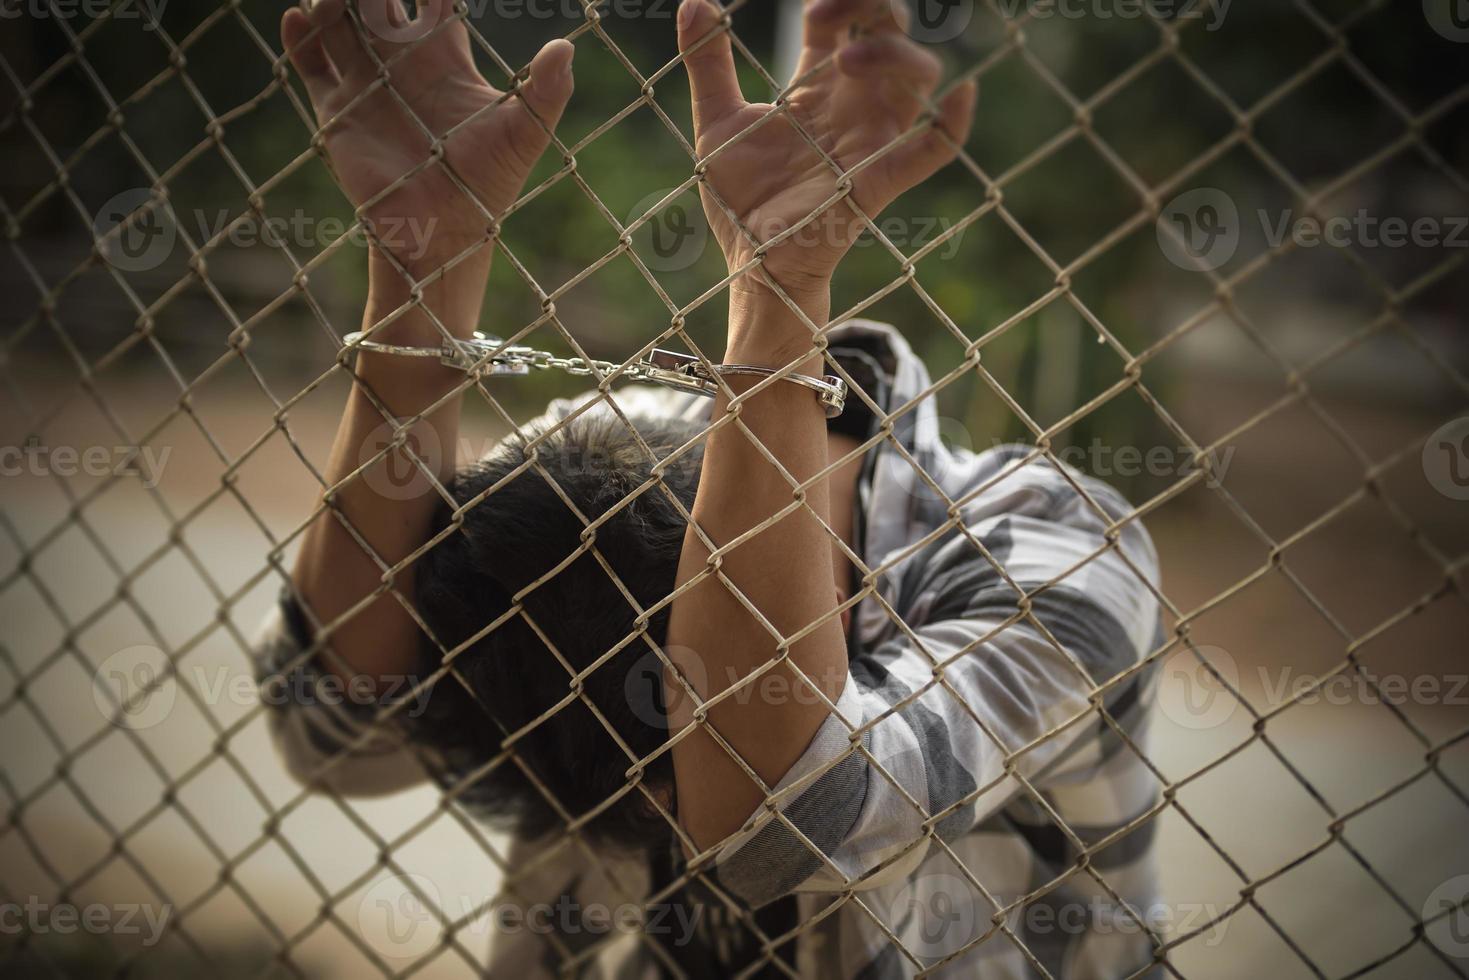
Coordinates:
[894,57]
[339,36]
[921,158]
[829,23]
[385,20]
[389,28]
[894,74]
[308,56]
[713,83]
[432,13]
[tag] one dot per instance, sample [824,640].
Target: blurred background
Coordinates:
[1158,167]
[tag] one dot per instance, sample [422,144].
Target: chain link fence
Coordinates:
[171,385]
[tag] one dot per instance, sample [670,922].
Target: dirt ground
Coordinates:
[1357,785]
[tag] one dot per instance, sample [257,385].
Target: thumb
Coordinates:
[549,86]
[709,60]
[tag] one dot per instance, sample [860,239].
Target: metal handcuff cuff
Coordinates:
[487,355]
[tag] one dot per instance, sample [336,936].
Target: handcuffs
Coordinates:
[488,356]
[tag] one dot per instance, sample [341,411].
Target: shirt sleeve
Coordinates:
[330,732]
[992,682]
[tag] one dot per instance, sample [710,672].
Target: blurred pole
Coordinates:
[787,39]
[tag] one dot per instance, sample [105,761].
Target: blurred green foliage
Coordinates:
[216,131]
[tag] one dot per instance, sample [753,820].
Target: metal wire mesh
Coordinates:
[333,893]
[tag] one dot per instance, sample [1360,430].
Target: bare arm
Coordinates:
[424,222]
[390,504]
[785,571]
[869,96]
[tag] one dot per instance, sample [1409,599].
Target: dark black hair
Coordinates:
[511,538]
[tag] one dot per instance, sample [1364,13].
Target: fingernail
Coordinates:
[686,13]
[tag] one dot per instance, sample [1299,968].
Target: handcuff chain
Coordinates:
[487,355]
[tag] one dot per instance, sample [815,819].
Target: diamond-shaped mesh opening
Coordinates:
[1161,91]
[1288,43]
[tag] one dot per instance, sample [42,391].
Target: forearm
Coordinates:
[862,84]
[390,504]
[784,571]
[430,152]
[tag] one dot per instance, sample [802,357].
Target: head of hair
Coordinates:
[522,529]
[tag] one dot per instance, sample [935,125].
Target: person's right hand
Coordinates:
[374,142]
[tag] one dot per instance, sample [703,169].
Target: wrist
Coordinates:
[764,330]
[810,293]
[459,259]
[454,297]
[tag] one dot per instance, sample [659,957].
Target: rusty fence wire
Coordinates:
[1178,210]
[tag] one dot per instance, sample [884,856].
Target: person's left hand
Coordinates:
[374,133]
[772,178]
